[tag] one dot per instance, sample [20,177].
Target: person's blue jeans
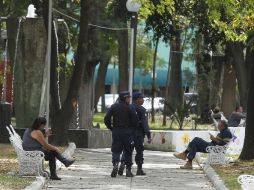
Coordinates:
[197,145]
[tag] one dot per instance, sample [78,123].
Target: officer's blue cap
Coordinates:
[124,94]
[137,95]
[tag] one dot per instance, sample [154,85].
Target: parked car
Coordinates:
[112,98]
[158,104]
[109,100]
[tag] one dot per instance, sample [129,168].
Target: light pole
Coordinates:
[132,6]
[48,61]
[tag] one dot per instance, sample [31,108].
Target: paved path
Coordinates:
[93,167]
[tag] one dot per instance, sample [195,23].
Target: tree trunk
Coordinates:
[175,93]
[241,72]
[85,99]
[28,70]
[248,150]
[154,79]
[166,109]
[203,69]
[100,80]
[229,89]
[215,95]
[249,61]
[58,126]
[122,38]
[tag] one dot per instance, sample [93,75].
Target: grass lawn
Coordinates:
[230,172]
[99,119]
[8,163]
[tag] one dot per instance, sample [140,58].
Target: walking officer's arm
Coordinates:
[144,122]
[107,119]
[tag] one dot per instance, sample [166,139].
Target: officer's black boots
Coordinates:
[114,171]
[128,172]
[121,168]
[140,170]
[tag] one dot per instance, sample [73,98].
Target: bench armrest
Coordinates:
[34,154]
[217,149]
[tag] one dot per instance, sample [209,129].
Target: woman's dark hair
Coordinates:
[38,122]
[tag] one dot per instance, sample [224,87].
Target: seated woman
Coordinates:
[33,139]
[200,145]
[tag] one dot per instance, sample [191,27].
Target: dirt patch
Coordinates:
[238,167]
[7,165]
[8,161]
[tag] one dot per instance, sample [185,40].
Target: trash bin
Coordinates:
[5,119]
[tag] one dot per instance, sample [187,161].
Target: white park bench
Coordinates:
[216,154]
[31,162]
[246,181]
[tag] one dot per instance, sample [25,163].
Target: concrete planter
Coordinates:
[161,140]
[179,140]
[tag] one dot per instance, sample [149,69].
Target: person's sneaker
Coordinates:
[188,165]
[114,171]
[121,169]
[182,155]
[140,172]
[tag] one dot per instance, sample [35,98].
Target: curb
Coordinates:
[214,178]
[37,184]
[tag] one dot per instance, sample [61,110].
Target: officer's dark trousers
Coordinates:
[197,145]
[139,147]
[122,140]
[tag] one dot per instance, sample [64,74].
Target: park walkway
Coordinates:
[93,166]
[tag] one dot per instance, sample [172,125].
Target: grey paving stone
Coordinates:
[93,166]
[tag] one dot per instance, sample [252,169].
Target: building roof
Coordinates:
[140,79]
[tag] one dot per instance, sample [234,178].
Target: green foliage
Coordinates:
[14,8]
[178,114]
[145,53]
[232,17]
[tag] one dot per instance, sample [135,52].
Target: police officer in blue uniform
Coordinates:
[124,120]
[139,134]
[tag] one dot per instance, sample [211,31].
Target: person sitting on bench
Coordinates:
[200,145]
[236,116]
[34,139]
